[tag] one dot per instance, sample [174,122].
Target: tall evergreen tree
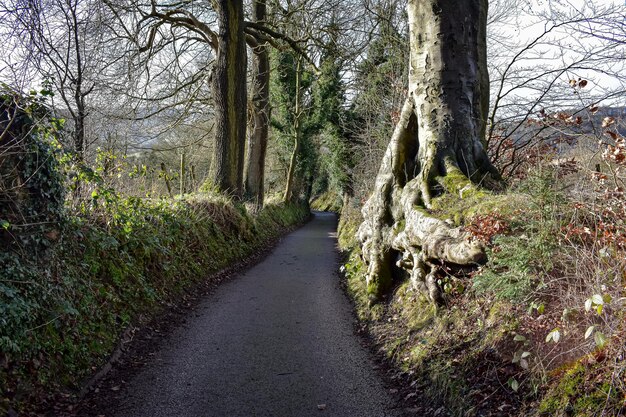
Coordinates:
[329,119]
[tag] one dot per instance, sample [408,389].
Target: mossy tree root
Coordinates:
[436,147]
[398,231]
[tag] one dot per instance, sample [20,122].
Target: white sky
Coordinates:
[558,49]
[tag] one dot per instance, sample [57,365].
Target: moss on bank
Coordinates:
[485,353]
[576,394]
[119,261]
[328,201]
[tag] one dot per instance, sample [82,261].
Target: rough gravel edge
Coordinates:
[144,337]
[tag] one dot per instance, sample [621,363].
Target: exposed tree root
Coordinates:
[398,231]
[436,147]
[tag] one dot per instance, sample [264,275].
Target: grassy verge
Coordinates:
[328,201]
[538,331]
[113,263]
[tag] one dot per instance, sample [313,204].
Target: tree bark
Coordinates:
[166,178]
[229,90]
[182,174]
[257,143]
[437,146]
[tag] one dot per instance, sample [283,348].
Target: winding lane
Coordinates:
[275,341]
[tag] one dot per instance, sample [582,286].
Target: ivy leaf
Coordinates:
[588,305]
[597,299]
[519,338]
[600,339]
[5,224]
[524,364]
[554,335]
[514,384]
[589,331]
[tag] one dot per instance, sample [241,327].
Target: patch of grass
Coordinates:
[511,271]
[348,227]
[520,259]
[354,271]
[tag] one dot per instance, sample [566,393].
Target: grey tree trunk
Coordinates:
[257,143]
[182,174]
[436,147]
[230,95]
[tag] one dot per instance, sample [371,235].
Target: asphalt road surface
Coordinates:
[277,340]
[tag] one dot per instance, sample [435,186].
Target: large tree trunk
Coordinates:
[436,147]
[257,143]
[229,90]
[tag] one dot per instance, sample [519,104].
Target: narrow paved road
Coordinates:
[275,341]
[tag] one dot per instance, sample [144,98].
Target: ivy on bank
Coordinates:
[71,280]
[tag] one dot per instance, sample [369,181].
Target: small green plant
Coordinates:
[554,336]
[536,306]
[522,354]
[513,383]
[597,302]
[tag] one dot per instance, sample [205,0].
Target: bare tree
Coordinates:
[537,56]
[222,27]
[60,43]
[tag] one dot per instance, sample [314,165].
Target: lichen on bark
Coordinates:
[437,147]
